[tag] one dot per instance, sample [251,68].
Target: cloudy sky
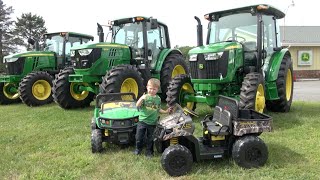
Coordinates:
[82,16]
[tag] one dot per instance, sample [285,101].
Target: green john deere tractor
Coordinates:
[139,49]
[30,74]
[242,59]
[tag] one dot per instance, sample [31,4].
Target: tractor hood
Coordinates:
[99,45]
[216,47]
[119,113]
[14,57]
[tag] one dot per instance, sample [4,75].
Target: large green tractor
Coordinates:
[30,74]
[139,49]
[242,59]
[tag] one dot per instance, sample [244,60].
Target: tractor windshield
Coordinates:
[130,34]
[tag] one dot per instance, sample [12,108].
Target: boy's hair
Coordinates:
[154,82]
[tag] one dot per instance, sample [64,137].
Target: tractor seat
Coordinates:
[220,124]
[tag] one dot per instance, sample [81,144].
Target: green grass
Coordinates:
[51,143]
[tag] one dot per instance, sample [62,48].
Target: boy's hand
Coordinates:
[170,109]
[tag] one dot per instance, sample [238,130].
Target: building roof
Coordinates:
[300,35]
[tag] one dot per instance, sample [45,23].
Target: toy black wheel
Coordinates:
[252,95]
[93,124]
[66,95]
[96,141]
[285,87]
[6,96]
[178,88]
[35,89]
[250,152]
[123,78]
[176,160]
[173,65]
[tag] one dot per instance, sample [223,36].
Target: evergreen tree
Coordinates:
[30,26]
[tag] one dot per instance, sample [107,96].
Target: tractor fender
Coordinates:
[163,55]
[192,143]
[274,64]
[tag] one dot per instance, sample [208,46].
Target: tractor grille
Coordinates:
[84,62]
[122,123]
[213,69]
[15,68]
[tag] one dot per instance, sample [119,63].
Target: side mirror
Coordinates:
[31,41]
[154,23]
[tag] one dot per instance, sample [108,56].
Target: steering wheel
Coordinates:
[131,41]
[236,38]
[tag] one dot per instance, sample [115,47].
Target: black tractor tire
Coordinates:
[96,141]
[250,152]
[252,95]
[178,86]
[123,78]
[35,88]
[146,75]
[177,160]
[5,99]
[62,95]
[173,65]
[285,78]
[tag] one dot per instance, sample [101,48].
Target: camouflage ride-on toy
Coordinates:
[115,120]
[230,131]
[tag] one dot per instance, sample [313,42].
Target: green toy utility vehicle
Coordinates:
[242,59]
[230,131]
[115,120]
[30,74]
[139,49]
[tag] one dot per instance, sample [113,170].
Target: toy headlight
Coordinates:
[212,56]
[84,52]
[73,53]
[193,57]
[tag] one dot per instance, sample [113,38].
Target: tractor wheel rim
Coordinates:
[41,89]
[130,85]
[178,69]
[7,93]
[78,95]
[260,99]
[187,89]
[288,84]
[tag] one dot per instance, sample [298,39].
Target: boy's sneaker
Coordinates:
[137,152]
[149,155]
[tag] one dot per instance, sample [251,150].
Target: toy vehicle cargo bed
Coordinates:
[251,121]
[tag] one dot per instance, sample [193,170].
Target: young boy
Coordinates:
[150,107]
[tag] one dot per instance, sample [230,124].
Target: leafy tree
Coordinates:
[184,50]
[29,26]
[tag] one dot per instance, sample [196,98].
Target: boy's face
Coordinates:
[152,90]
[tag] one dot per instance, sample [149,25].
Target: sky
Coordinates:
[82,16]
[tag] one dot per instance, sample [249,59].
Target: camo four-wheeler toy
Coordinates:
[228,132]
[115,120]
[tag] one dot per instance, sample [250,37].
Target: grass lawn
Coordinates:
[51,143]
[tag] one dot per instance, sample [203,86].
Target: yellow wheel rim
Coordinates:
[178,69]
[188,88]
[79,96]
[7,93]
[288,84]
[41,89]
[130,85]
[260,99]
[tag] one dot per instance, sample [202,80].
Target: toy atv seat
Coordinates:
[220,123]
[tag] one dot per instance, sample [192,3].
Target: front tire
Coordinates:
[252,95]
[35,89]
[7,97]
[64,92]
[178,87]
[96,141]
[285,87]
[176,160]
[250,152]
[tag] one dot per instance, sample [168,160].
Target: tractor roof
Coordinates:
[261,8]
[72,34]
[133,19]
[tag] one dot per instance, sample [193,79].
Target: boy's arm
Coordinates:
[140,101]
[165,111]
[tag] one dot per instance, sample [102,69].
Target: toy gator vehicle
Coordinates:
[115,120]
[228,132]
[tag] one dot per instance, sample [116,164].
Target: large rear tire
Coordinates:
[250,152]
[122,79]
[35,89]
[252,95]
[7,97]
[285,87]
[64,92]
[178,88]
[173,65]
[176,160]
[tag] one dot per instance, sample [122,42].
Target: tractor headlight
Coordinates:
[84,52]
[73,53]
[193,57]
[212,56]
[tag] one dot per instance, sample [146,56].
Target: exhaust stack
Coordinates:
[199,32]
